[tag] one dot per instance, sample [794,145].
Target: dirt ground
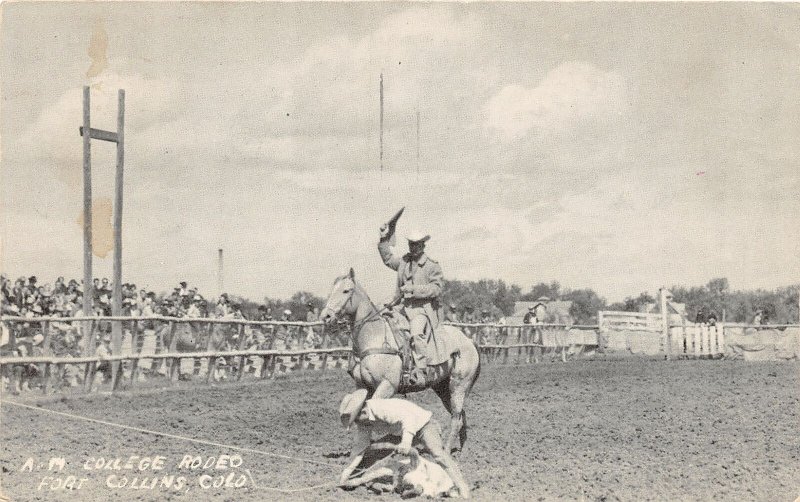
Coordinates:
[584,430]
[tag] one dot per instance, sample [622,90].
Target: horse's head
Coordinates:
[343,299]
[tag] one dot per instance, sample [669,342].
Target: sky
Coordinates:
[616,146]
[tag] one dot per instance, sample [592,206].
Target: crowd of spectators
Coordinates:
[28,297]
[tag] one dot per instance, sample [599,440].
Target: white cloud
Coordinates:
[570,95]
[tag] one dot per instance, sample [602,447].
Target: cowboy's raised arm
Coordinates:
[390,259]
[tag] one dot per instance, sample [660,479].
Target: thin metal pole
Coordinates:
[116,301]
[381,98]
[87,208]
[220,280]
[417,142]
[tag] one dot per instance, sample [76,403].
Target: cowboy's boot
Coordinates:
[420,374]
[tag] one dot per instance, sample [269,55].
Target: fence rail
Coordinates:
[497,342]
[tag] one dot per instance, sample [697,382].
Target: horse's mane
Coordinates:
[355,282]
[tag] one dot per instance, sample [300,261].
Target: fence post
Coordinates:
[242,359]
[88,329]
[117,375]
[135,351]
[173,344]
[665,321]
[696,340]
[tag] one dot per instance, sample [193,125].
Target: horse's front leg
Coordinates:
[384,390]
[382,373]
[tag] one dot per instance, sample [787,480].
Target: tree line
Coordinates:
[779,306]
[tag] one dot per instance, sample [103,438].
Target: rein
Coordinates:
[371,317]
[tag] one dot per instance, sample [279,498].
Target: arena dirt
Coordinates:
[586,430]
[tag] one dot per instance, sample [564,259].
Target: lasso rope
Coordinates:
[198,441]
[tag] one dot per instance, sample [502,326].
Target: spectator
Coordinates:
[530,316]
[222,308]
[312,332]
[451,315]
[60,288]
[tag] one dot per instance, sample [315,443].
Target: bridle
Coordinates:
[371,317]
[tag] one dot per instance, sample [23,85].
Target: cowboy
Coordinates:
[419,283]
[378,418]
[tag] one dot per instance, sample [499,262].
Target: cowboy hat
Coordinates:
[417,236]
[351,406]
[287,312]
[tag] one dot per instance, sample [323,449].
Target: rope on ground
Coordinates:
[290,490]
[171,436]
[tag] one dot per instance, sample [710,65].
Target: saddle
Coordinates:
[410,377]
[402,335]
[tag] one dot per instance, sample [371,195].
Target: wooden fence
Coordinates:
[634,321]
[239,354]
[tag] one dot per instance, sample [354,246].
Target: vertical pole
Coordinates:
[665,322]
[87,209]
[116,301]
[381,98]
[220,281]
[417,142]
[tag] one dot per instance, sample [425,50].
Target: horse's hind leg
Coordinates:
[443,390]
[459,390]
[458,393]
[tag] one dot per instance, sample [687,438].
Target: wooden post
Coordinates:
[91,372]
[88,292]
[116,378]
[46,383]
[211,363]
[173,343]
[135,338]
[46,343]
[90,348]
[242,359]
[134,370]
[697,336]
[665,321]
[721,338]
[47,352]
[116,301]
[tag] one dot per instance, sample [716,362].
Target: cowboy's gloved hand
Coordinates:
[407,290]
[384,231]
[403,449]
